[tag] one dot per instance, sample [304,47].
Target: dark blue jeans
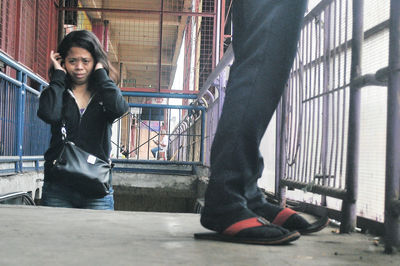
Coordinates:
[58,195]
[265,35]
[155,150]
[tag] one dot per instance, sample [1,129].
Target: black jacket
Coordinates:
[92,130]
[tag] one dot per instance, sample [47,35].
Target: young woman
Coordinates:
[82,93]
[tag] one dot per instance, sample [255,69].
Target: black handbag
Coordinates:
[81,170]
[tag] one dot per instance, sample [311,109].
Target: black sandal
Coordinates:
[236,233]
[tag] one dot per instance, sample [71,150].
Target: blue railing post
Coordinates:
[20,118]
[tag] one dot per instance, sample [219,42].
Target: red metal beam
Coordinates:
[160,50]
[116,10]
[18,29]
[222,30]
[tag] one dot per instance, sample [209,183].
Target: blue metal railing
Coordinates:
[145,122]
[23,136]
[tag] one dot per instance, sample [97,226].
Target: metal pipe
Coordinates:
[349,203]
[211,96]
[392,186]
[185,107]
[159,95]
[203,125]
[61,21]
[328,60]
[278,148]
[20,118]
[225,61]
[139,11]
[12,63]
[280,189]
[222,29]
[160,48]
[319,189]
[10,79]
[215,50]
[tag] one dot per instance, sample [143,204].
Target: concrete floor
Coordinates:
[55,236]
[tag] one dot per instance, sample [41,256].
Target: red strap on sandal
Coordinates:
[244,224]
[282,216]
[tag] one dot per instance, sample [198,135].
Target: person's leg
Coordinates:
[154,151]
[264,41]
[105,203]
[56,195]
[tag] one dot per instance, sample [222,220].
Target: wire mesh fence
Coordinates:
[155,45]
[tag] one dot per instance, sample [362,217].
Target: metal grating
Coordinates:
[8,24]
[36,132]
[145,40]
[8,118]
[317,106]
[43,36]
[27,33]
[317,100]
[28,30]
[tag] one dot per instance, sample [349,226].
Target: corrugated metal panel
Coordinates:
[42,36]
[8,26]
[27,33]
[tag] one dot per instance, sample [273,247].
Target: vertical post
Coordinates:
[128,135]
[18,31]
[281,191]
[349,215]
[61,18]
[106,35]
[121,84]
[325,99]
[203,126]
[221,93]
[119,137]
[215,50]
[160,50]
[278,123]
[222,28]
[20,118]
[392,227]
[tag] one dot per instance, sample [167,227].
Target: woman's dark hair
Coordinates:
[88,41]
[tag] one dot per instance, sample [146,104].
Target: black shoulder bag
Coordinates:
[81,170]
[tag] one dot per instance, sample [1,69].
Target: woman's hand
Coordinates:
[98,66]
[56,61]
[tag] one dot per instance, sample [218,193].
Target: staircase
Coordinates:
[158,188]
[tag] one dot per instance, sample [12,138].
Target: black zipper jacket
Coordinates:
[92,130]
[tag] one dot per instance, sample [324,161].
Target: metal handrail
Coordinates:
[19,67]
[223,63]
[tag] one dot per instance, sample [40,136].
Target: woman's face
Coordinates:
[79,64]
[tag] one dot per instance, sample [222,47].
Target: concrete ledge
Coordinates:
[155,192]
[182,184]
